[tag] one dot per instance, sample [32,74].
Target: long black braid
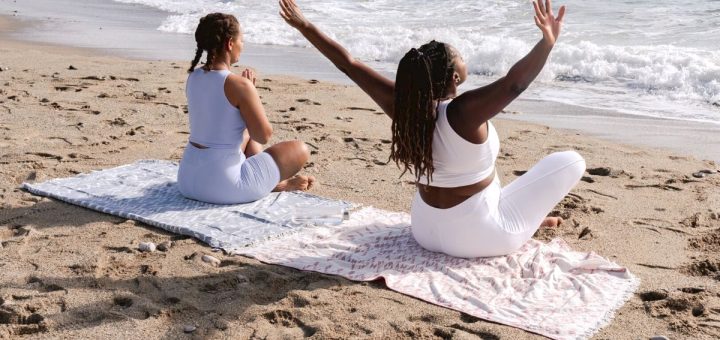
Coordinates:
[422,79]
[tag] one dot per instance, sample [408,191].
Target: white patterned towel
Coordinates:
[543,288]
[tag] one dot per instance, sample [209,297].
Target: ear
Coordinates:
[456,78]
[229,45]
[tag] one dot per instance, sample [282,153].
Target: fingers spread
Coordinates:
[561,14]
[541,6]
[538,12]
[548,7]
[537,22]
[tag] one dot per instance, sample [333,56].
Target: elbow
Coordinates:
[264,136]
[517,88]
[267,135]
[347,65]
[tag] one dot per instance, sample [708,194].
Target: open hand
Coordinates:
[249,74]
[292,14]
[547,22]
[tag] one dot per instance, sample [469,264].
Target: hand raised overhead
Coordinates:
[290,11]
[547,22]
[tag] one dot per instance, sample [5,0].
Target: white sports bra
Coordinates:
[458,162]
[214,121]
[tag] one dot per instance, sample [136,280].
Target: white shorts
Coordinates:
[497,221]
[225,176]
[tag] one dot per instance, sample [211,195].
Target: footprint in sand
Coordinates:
[684,306]
[287,319]
[709,242]
[702,220]
[308,101]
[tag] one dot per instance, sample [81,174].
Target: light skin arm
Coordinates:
[480,105]
[378,87]
[241,93]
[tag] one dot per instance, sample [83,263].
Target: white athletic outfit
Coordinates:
[220,173]
[497,220]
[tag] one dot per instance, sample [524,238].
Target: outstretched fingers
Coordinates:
[561,14]
[538,12]
[548,8]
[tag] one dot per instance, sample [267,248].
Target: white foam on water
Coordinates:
[651,57]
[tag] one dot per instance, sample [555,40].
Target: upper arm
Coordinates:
[242,94]
[378,87]
[480,105]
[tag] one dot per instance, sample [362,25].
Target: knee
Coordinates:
[576,162]
[573,160]
[302,151]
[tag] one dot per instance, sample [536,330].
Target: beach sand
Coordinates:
[69,272]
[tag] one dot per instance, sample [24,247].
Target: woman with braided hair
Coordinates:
[224,162]
[449,144]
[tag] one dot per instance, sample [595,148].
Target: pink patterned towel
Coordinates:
[543,288]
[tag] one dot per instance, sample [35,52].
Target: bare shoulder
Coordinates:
[239,89]
[235,81]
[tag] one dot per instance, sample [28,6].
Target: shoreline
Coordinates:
[680,136]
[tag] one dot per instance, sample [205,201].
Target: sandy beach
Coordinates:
[69,272]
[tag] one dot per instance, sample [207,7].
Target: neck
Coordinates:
[220,63]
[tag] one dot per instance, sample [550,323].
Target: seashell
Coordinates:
[211,260]
[189,328]
[147,246]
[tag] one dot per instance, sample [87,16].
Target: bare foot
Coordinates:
[297,182]
[551,222]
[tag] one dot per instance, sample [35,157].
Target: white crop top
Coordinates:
[214,121]
[458,162]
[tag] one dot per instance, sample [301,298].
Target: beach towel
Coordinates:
[545,288]
[146,191]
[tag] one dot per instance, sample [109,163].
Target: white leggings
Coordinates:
[225,176]
[498,221]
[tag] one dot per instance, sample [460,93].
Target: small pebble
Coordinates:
[147,246]
[698,174]
[189,328]
[165,246]
[72,67]
[698,310]
[211,260]
[658,337]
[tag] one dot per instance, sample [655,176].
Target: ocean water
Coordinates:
[648,57]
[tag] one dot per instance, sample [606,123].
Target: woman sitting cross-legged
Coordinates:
[224,162]
[448,142]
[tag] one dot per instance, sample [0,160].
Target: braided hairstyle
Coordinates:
[211,35]
[423,77]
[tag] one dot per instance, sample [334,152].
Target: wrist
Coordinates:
[305,26]
[547,43]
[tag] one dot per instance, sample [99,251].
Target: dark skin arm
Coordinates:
[472,109]
[378,87]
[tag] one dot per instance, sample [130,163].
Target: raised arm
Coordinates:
[480,105]
[379,88]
